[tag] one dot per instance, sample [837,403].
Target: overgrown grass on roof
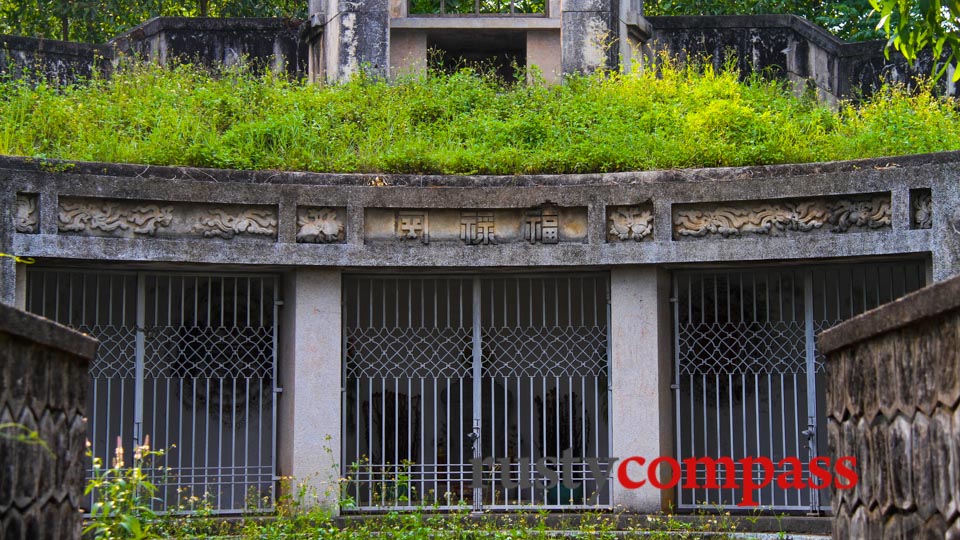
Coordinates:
[463,123]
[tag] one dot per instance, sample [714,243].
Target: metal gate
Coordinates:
[748,379]
[441,370]
[188,359]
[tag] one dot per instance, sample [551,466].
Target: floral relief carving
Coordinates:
[26,217]
[227,224]
[319,226]
[629,223]
[113,217]
[773,217]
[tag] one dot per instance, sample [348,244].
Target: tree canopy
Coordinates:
[914,25]
[96,21]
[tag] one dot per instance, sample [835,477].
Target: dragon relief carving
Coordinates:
[629,223]
[113,217]
[25,219]
[224,224]
[319,226]
[923,211]
[776,217]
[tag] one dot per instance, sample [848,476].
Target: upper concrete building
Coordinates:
[390,37]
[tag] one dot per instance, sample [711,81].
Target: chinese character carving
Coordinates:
[542,225]
[414,226]
[477,227]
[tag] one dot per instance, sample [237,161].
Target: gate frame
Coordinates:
[476,277]
[141,275]
[806,268]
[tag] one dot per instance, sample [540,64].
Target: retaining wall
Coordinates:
[893,400]
[43,387]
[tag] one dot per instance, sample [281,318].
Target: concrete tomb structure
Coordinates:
[374,335]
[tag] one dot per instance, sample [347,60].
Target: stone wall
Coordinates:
[262,43]
[789,47]
[60,61]
[43,386]
[893,400]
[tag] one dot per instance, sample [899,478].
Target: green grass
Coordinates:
[463,123]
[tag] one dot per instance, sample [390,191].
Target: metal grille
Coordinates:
[189,360]
[749,381]
[440,370]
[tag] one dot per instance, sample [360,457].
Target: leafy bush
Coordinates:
[461,123]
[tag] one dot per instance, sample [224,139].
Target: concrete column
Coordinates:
[310,371]
[640,371]
[588,35]
[946,225]
[8,268]
[544,52]
[356,36]
[408,52]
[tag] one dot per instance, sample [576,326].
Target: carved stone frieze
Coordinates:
[922,210]
[113,217]
[776,217]
[629,223]
[541,225]
[229,223]
[26,219]
[413,225]
[477,227]
[319,226]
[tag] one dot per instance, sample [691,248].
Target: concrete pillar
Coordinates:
[641,369]
[543,51]
[309,411]
[946,226]
[588,35]
[408,52]
[356,35]
[8,268]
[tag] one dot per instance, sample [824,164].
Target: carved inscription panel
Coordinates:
[476,228]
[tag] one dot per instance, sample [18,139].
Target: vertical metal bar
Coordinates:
[810,350]
[140,346]
[477,386]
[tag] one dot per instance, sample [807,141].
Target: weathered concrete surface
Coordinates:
[308,423]
[43,386]
[893,400]
[640,403]
[589,35]
[791,48]
[356,36]
[62,62]
[263,42]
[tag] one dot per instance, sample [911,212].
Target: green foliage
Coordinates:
[123,494]
[20,433]
[432,7]
[96,21]
[461,123]
[851,20]
[914,25]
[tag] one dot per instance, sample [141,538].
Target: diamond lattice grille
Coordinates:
[551,351]
[741,348]
[208,352]
[409,352]
[116,354]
